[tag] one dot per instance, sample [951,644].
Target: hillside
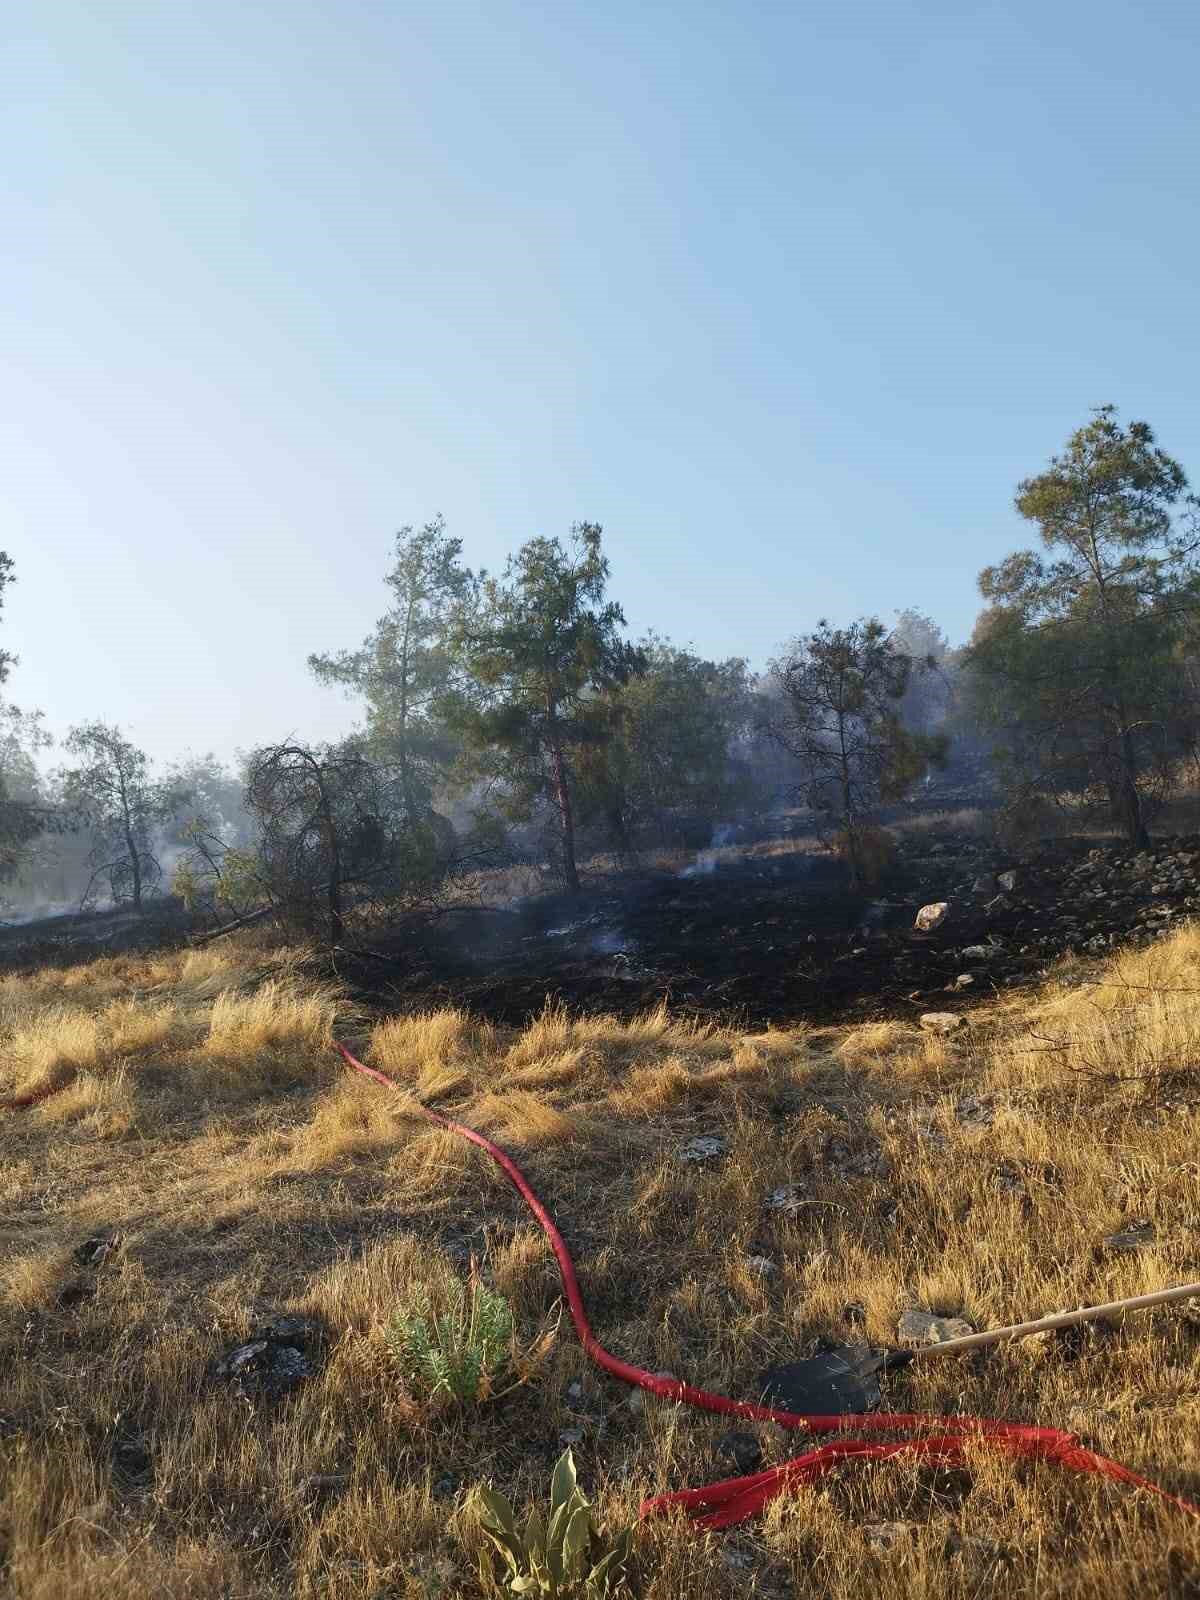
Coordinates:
[210,1166]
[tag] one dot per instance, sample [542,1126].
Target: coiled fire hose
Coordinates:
[941,1440]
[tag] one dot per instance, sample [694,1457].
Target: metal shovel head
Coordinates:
[835,1383]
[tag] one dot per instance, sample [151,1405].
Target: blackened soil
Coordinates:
[759,941]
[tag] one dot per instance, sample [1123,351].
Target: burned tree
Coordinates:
[333,831]
[840,718]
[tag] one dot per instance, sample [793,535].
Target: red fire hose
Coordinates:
[943,1440]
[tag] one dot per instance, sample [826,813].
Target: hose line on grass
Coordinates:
[944,1441]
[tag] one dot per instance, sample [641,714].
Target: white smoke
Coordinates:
[705,864]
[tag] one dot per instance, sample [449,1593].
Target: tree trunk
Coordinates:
[1132,805]
[1130,799]
[136,864]
[562,796]
[848,827]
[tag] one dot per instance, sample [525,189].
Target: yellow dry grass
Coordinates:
[206,1127]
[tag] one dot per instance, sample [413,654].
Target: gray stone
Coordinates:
[637,1397]
[789,1197]
[760,1266]
[922,1327]
[972,1113]
[978,952]
[985,884]
[703,1148]
[1009,881]
[1137,1236]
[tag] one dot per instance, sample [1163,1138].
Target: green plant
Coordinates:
[564,1558]
[462,1350]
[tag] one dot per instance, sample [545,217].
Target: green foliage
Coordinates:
[461,1350]
[668,749]
[841,690]
[566,1557]
[539,650]
[1076,663]
[405,666]
[112,793]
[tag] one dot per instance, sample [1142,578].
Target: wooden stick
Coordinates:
[1060,1319]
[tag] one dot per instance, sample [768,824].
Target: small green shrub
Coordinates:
[461,1351]
[566,1558]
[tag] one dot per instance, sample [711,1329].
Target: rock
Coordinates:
[975,1548]
[942,1021]
[972,1113]
[273,1361]
[570,1436]
[703,1148]
[985,884]
[869,1162]
[637,1397]
[321,1484]
[922,1327]
[1008,1178]
[93,1252]
[884,1536]
[760,1266]
[1009,881]
[932,916]
[263,1367]
[1137,1236]
[742,1450]
[575,1391]
[789,1198]
[977,952]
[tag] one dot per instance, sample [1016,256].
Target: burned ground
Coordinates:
[773,939]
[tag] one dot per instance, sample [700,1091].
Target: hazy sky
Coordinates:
[786,296]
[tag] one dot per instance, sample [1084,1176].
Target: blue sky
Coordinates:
[788,297]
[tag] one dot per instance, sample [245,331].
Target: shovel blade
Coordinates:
[839,1382]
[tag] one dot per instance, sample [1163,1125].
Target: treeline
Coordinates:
[510,717]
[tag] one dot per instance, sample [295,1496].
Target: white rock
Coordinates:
[932,916]
[942,1021]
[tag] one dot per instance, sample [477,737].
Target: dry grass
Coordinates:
[206,1123]
[968,819]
